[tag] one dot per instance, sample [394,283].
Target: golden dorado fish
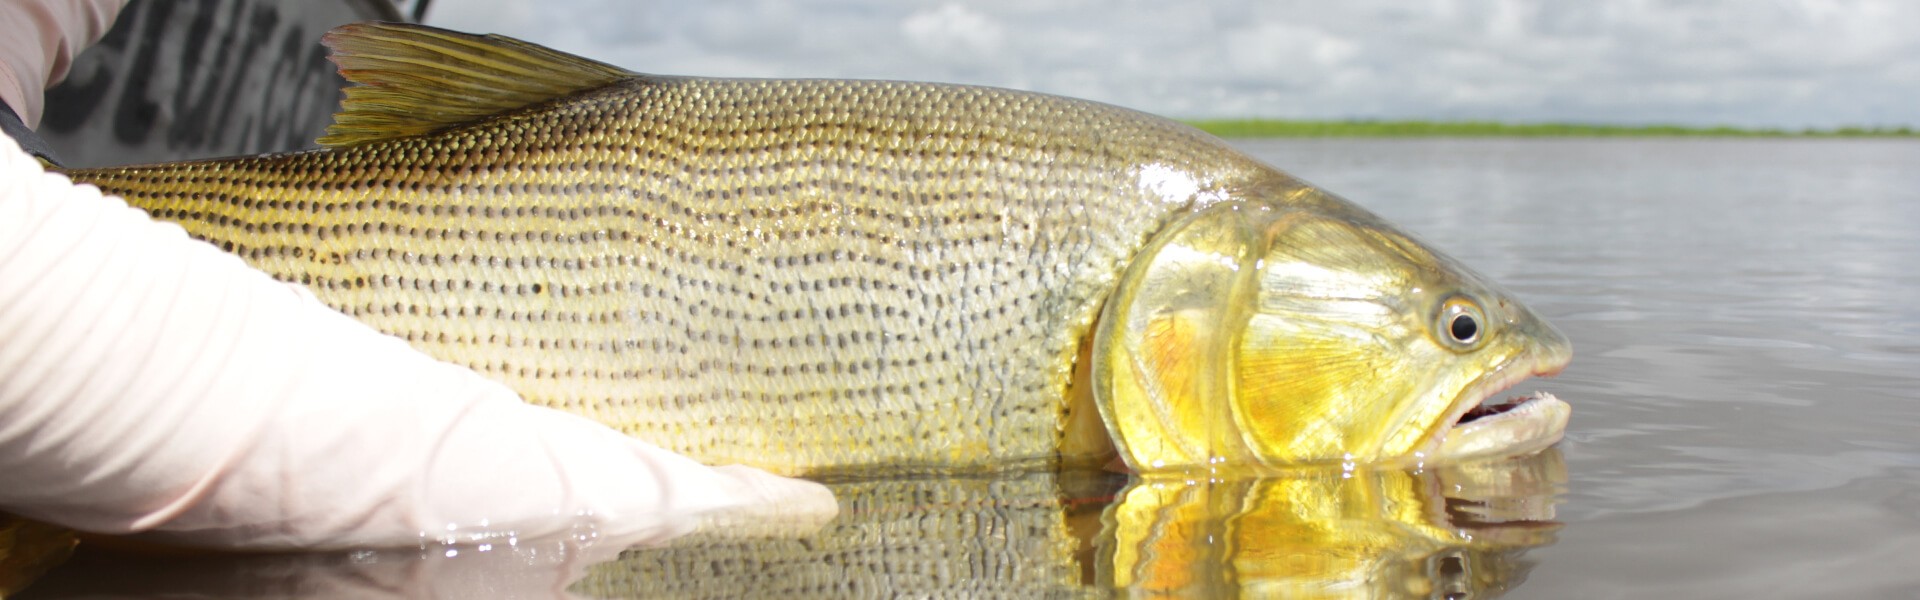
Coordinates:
[823,275]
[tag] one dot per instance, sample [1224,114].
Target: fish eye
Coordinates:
[1464,328]
[1461,323]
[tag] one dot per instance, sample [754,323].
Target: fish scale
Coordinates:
[804,275]
[822,276]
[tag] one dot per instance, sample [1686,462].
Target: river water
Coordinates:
[1746,323]
[1746,392]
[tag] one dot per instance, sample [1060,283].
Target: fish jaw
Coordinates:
[1531,425]
[1515,427]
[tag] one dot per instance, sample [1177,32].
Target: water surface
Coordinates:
[1746,424]
[1746,324]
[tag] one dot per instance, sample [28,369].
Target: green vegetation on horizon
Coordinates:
[1256,128]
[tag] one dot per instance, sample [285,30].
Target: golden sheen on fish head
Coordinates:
[1287,326]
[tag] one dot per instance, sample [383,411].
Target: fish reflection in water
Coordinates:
[1453,532]
[1448,532]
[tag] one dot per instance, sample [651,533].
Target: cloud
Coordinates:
[951,31]
[1787,63]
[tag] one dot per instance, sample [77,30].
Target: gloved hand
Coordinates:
[38,40]
[151,384]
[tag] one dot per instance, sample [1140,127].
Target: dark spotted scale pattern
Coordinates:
[803,275]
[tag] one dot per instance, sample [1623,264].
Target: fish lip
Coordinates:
[1488,386]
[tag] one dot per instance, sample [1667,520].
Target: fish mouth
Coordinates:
[1484,425]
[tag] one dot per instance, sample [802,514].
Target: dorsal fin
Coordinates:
[415,79]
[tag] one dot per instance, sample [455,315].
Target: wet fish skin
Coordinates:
[803,275]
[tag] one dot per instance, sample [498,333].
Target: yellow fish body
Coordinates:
[823,275]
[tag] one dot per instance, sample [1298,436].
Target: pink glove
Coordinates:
[38,40]
[151,384]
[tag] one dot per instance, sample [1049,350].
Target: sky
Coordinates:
[1749,63]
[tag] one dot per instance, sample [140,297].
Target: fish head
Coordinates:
[1288,326]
